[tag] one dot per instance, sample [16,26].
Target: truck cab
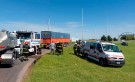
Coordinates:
[30,37]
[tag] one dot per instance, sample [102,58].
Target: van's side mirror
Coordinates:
[100,50]
[120,50]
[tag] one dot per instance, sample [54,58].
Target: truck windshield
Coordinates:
[24,36]
[110,48]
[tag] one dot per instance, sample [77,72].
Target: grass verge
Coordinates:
[71,68]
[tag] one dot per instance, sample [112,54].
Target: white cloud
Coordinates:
[14,26]
[11,26]
[130,26]
[74,28]
[72,24]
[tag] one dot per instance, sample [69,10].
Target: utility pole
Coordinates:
[94,34]
[82,24]
[49,24]
[107,29]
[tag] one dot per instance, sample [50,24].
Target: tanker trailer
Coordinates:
[8,42]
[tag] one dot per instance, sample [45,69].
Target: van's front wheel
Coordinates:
[85,56]
[101,62]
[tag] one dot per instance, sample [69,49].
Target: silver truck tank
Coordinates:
[7,40]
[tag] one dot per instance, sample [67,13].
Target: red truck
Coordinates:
[48,36]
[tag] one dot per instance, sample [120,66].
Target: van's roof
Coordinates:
[107,43]
[88,42]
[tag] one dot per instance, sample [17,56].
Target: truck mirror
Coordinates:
[18,46]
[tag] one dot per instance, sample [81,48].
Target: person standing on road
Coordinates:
[26,48]
[35,50]
[52,47]
[38,49]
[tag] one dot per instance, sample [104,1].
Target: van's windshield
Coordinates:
[110,48]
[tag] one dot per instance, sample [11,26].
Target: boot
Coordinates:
[21,59]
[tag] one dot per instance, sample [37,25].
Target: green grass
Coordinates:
[70,68]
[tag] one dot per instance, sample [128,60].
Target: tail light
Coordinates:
[2,46]
[0,58]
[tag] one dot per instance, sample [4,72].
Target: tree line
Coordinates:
[109,38]
[128,37]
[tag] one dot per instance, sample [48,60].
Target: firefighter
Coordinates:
[25,52]
[59,48]
[78,48]
[75,49]
[57,44]
[38,49]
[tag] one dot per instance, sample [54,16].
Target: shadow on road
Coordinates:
[5,66]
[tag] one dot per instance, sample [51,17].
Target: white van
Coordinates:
[105,53]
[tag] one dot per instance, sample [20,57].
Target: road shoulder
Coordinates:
[22,76]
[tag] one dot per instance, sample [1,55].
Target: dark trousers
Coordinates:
[25,55]
[52,51]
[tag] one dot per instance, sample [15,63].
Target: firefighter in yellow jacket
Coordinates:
[25,52]
[26,48]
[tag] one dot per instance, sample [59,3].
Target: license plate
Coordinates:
[118,62]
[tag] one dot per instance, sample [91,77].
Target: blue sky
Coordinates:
[101,17]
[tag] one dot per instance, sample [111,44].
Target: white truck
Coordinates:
[33,38]
[8,42]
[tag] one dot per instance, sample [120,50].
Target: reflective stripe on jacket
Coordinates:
[26,48]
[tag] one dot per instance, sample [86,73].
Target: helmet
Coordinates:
[25,42]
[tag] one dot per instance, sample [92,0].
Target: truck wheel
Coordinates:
[12,61]
[16,55]
[86,56]
[33,53]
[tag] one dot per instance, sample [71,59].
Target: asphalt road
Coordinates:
[15,73]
